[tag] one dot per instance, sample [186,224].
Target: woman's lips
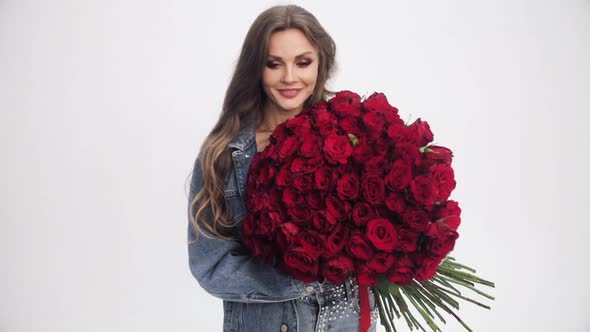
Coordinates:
[289,93]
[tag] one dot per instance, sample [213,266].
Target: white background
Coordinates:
[104,105]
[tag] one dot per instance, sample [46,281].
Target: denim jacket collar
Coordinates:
[243,139]
[247,134]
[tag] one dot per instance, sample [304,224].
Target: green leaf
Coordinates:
[353,139]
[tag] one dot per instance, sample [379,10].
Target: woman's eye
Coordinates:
[274,65]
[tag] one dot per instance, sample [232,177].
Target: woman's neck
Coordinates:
[273,116]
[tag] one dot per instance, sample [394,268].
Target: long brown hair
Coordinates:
[243,97]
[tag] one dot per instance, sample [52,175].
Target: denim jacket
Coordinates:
[256,296]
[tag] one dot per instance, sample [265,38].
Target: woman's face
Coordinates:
[290,74]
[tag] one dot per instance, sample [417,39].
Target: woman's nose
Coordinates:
[288,75]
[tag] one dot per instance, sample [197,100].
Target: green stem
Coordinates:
[424,299]
[439,278]
[438,302]
[466,285]
[386,319]
[458,265]
[465,275]
[461,297]
[424,312]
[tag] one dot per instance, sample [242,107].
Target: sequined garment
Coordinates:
[339,307]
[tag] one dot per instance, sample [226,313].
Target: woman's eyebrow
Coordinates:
[296,57]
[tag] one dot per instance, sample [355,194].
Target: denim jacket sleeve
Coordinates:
[223,272]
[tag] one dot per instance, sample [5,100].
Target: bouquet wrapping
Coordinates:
[347,188]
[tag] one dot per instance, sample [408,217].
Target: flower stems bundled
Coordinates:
[429,297]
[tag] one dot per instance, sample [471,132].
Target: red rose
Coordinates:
[338,269]
[299,124]
[427,268]
[438,154]
[311,146]
[266,174]
[283,177]
[336,241]
[440,240]
[299,214]
[301,264]
[303,182]
[248,225]
[346,103]
[423,134]
[408,240]
[337,148]
[254,170]
[402,271]
[373,188]
[257,201]
[446,209]
[339,209]
[382,234]
[324,178]
[348,187]
[378,103]
[298,165]
[423,190]
[286,235]
[279,134]
[376,165]
[407,151]
[365,275]
[312,164]
[324,120]
[267,222]
[350,125]
[399,176]
[362,152]
[314,200]
[374,122]
[275,199]
[263,249]
[382,212]
[444,179]
[312,242]
[395,202]
[382,145]
[453,221]
[381,262]
[288,148]
[291,197]
[416,220]
[449,213]
[422,163]
[359,247]
[362,213]
[323,221]
[401,134]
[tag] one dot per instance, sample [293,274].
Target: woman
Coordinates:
[286,60]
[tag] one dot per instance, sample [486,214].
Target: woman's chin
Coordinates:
[289,107]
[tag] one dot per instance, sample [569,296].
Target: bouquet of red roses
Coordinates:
[347,188]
